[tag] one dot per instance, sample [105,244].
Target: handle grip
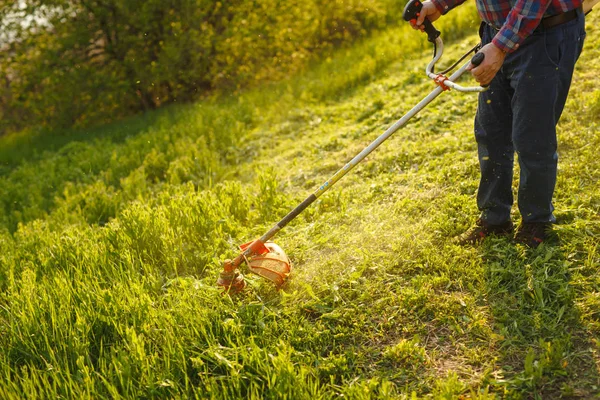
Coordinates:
[477,60]
[412,11]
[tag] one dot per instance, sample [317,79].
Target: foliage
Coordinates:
[87,61]
[111,241]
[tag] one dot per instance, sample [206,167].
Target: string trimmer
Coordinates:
[269,260]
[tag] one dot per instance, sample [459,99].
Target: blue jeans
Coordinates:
[519,113]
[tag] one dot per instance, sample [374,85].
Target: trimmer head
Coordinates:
[274,265]
[231,281]
[267,260]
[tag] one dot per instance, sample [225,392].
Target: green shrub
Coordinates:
[91,62]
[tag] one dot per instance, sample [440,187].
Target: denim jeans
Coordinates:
[519,113]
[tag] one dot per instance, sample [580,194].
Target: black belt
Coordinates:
[555,20]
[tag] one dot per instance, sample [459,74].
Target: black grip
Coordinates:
[412,11]
[477,60]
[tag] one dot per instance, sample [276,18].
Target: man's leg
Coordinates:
[493,132]
[541,74]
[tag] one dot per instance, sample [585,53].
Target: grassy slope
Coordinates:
[381,303]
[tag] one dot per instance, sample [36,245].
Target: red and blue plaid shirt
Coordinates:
[515,19]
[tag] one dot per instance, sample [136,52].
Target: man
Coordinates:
[530,52]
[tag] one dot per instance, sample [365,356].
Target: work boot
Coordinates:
[533,234]
[481,230]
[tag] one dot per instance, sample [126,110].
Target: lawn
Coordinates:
[111,241]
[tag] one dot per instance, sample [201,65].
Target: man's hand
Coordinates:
[428,11]
[487,70]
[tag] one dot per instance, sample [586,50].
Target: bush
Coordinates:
[89,62]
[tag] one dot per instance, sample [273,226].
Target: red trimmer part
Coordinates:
[274,265]
[267,260]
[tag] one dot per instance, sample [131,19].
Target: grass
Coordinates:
[112,238]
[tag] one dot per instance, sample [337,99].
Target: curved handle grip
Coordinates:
[411,12]
[477,60]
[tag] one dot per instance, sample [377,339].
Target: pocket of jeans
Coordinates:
[552,46]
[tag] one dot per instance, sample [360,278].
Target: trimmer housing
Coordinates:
[267,260]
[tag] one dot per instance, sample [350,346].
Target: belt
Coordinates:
[554,20]
[559,19]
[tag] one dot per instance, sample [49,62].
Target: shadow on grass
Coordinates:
[30,145]
[545,350]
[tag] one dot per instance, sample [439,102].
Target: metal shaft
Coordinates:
[358,158]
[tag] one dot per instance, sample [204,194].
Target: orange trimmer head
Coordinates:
[267,260]
[274,265]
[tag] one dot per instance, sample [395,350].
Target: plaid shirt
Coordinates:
[515,19]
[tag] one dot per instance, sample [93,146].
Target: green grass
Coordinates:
[111,242]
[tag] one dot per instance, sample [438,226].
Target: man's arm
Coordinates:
[444,6]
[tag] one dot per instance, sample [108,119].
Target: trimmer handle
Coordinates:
[411,13]
[477,60]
